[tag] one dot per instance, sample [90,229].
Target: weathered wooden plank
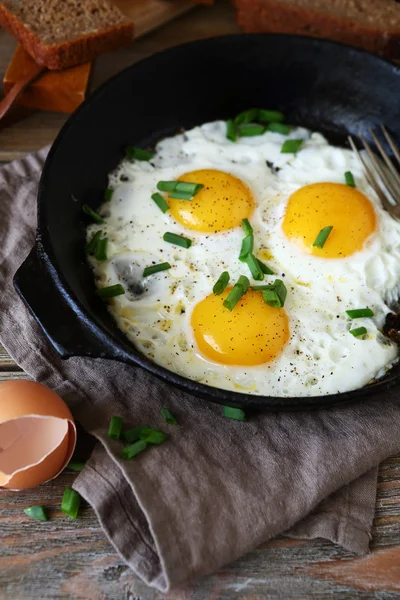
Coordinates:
[6,362]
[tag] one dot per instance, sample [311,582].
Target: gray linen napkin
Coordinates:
[217,488]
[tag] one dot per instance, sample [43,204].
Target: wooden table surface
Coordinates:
[73,559]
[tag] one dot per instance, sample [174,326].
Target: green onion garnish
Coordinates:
[70,503]
[101,249]
[247,116]
[178,240]
[111,291]
[133,435]
[138,153]
[247,227]
[190,188]
[234,413]
[115,428]
[231,132]
[92,245]
[291,146]
[75,465]
[166,186]
[181,195]
[95,216]
[266,270]
[131,451]
[275,296]
[348,176]
[168,417]
[221,284]
[238,290]
[251,129]
[357,313]
[161,203]
[279,128]
[322,236]
[270,116]
[156,269]
[358,331]
[254,267]
[247,247]
[154,436]
[108,194]
[37,512]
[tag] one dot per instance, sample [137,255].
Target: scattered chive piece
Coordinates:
[221,284]
[111,291]
[75,465]
[189,188]
[234,413]
[254,267]
[131,451]
[266,270]
[168,417]
[166,186]
[238,290]
[181,195]
[247,227]
[260,288]
[178,240]
[153,436]
[279,128]
[275,296]
[247,116]
[357,313]
[247,247]
[95,216]
[270,116]
[291,146]
[358,331]
[92,245]
[108,194]
[138,153]
[101,249]
[156,269]
[37,512]
[70,503]
[349,178]
[251,129]
[161,203]
[231,132]
[322,236]
[133,435]
[115,428]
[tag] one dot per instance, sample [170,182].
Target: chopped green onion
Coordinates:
[291,146]
[92,245]
[138,153]
[260,288]
[101,249]
[266,270]
[255,270]
[166,186]
[181,195]
[95,216]
[161,203]
[275,296]
[247,227]
[234,413]
[168,416]
[270,116]
[357,313]
[70,503]
[133,435]
[247,116]
[115,428]
[322,236]
[358,331]
[37,512]
[75,465]
[153,436]
[247,247]
[238,290]
[156,269]
[231,132]
[279,128]
[131,451]
[108,194]
[178,240]
[251,129]
[111,291]
[221,284]
[348,176]
[190,188]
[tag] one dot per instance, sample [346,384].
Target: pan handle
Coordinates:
[68,334]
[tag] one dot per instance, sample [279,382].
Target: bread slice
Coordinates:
[62,33]
[370,24]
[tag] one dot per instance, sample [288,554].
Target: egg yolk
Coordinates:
[251,334]
[222,204]
[319,205]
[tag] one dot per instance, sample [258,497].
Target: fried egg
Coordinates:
[301,349]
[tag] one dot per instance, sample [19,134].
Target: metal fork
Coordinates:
[381,172]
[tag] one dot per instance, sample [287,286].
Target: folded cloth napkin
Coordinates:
[217,487]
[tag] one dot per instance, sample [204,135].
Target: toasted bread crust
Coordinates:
[257,16]
[66,54]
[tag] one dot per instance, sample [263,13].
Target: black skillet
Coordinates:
[324,86]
